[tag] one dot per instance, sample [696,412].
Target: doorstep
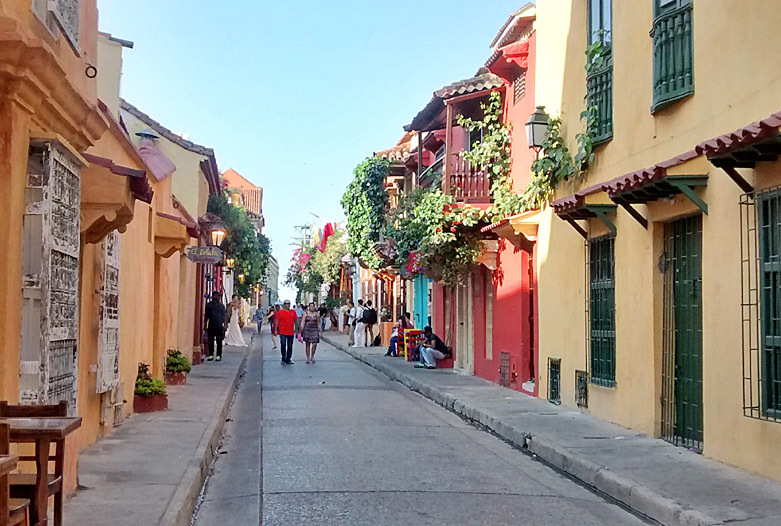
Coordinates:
[669,484]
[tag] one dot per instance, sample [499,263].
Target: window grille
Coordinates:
[581,388]
[601,308]
[519,87]
[504,369]
[760,214]
[673,48]
[554,380]
[599,83]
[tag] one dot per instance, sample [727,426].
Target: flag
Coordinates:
[328,231]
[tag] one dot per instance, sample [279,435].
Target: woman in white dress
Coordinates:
[234,336]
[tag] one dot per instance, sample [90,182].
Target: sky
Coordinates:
[294,94]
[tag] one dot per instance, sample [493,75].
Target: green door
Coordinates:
[683,251]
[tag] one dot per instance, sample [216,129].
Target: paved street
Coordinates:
[342,444]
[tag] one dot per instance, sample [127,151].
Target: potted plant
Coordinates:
[176,368]
[150,393]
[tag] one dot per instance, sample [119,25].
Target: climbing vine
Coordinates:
[364,204]
[434,235]
[251,250]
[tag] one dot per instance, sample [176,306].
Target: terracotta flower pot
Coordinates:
[150,404]
[175,378]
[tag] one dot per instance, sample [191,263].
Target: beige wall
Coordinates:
[735,84]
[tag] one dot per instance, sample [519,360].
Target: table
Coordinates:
[42,432]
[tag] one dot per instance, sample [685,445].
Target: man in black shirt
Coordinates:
[215,325]
[432,349]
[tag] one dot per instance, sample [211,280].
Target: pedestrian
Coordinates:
[311,332]
[300,310]
[323,315]
[360,328]
[370,320]
[350,325]
[258,318]
[403,323]
[215,325]
[235,324]
[431,350]
[272,318]
[287,327]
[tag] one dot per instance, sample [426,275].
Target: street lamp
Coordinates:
[537,129]
[229,262]
[241,278]
[218,235]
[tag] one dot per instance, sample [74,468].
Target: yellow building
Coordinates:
[195,177]
[658,280]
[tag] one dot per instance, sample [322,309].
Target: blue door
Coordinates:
[420,314]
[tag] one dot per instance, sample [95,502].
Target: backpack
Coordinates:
[369,316]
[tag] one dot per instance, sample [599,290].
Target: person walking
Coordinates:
[360,326]
[287,327]
[311,332]
[323,315]
[272,320]
[350,327]
[300,310]
[215,325]
[258,318]
[235,323]
[370,320]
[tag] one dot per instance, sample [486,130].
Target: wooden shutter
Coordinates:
[602,303]
[108,342]
[50,289]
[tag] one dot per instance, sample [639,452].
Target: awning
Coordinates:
[744,147]
[172,234]
[679,175]
[586,204]
[520,230]
[107,196]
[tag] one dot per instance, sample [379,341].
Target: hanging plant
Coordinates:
[364,203]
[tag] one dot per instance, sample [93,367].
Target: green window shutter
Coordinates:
[769,226]
[602,319]
[673,47]
[599,81]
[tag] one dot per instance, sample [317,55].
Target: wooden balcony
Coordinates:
[467,183]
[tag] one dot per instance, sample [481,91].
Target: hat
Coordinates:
[287,302]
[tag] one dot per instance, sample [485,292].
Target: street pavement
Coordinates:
[338,443]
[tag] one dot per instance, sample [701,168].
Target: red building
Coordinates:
[490,320]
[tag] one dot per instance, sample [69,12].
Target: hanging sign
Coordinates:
[204,255]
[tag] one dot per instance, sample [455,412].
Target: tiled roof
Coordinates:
[395,154]
[741,137]
[634,180]
[576,200]
[426,116]
[620,185]
[484,80]
[512,20]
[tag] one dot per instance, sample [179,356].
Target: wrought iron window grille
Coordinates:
[600,311]
[554,380]
[760,263]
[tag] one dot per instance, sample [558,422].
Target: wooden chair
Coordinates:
[23,484]
[13,512]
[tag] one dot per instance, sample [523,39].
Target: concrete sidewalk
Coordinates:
[666,483]
[151,470]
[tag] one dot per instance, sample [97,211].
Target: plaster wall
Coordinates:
[724,99]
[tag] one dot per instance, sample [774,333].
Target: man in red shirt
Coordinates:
[287,324]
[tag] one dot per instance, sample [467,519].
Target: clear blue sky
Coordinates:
[294,94]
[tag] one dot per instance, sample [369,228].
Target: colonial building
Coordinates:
[658,273]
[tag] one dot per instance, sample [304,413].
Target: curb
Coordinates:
[181,506]
[637,497]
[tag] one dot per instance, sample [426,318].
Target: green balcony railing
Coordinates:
[600,96]
[673,56]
